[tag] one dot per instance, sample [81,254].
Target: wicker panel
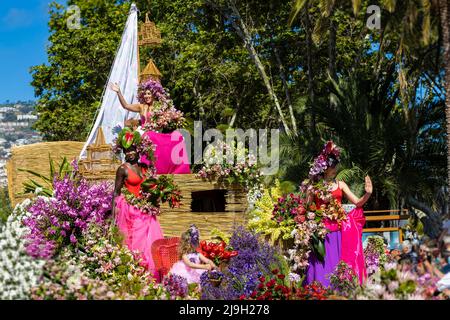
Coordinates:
[176,221]
[36,157]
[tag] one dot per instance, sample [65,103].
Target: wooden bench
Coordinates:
[386,215]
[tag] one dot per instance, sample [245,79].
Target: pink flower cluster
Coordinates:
[59,221]
[164,118]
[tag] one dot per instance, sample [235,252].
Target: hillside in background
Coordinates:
[16,121]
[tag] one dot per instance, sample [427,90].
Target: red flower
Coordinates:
[262,279]
[261,286]
[301,210]
[129,136]
[281,276]
[300,219]
[329,147]
[278,288]
[271,283]
[275,271]
[254,293]
[242,297]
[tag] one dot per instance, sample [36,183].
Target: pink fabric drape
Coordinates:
[352,248]
[170,156]
[140,230]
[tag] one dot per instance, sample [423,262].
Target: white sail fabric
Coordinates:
[124,71]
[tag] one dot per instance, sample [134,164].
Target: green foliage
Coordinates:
[69,87]
[5,204]
[44,185]
[260,218]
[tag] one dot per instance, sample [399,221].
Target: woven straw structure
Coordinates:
[149,34]
[36,157]
[150,72]
[100,162]
[175,221]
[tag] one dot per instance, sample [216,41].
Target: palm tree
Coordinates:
[407,21]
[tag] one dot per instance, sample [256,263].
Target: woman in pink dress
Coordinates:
[139,229]
[342,242]
[170,154]
[192,264]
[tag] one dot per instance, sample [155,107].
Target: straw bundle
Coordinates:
[36,157]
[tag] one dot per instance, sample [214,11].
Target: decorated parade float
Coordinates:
[66,240]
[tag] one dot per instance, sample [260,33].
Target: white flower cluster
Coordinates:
[18,271]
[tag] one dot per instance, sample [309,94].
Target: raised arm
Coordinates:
[358,202]
[130,107]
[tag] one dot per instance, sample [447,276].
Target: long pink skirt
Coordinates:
[352,246]
[140,230]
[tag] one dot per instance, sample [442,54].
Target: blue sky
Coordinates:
[23,41]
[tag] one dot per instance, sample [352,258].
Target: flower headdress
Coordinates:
[329,154]
[155,88]
[193,231]
[126,139]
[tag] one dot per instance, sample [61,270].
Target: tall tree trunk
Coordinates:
[332,49]
[309,56]
[243,32]
[444,9]
[286,90]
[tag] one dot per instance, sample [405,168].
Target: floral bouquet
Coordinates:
[216,252]
[313,291]
[176,286]
[164,117]
[230,164]
[155,191]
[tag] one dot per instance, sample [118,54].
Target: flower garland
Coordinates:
[153,192]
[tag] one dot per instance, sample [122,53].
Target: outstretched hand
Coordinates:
[114,87]
[368,185]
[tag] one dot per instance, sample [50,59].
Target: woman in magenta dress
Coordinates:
[170,154]
[139,229]
[343,242]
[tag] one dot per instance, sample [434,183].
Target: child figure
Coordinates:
[192,264]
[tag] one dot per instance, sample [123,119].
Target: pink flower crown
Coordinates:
[155,88]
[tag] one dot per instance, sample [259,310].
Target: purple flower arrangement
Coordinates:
[60,221]
[374,254]
[321,162]
[255,258]
[176,286]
